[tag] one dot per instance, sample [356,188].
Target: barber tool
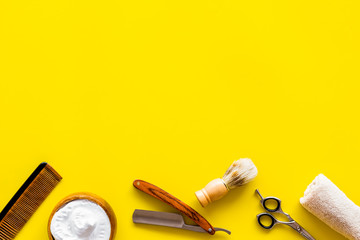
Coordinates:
[169,219]
[327,202]
[174,220]
[27,200]
[239,173]
[277,209]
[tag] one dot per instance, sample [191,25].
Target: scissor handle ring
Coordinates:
[274,199]
[261,215]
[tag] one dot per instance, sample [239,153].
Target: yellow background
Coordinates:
[172,92]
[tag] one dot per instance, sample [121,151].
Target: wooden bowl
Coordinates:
[91,197]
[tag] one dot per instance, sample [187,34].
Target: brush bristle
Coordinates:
[27,203]
[239,173]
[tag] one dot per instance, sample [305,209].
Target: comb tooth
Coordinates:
[8,233]
[7,230]
[28,202]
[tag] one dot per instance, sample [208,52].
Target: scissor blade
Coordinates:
[306,234]
[301,230]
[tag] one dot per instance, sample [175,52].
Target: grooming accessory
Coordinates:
[327,202]
[27,200]
[92,198]
[239,173]
[274,221]
[174,220]
[169,199]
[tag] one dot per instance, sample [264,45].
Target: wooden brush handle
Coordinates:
[214,190]
[166,197]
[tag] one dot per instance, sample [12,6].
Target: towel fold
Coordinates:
[327,202]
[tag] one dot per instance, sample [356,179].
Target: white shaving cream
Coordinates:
[81,220]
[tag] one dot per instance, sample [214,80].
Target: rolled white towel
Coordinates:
[327,202]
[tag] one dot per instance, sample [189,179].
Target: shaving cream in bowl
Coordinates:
[82,216]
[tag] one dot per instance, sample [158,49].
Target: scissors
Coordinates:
[274,221]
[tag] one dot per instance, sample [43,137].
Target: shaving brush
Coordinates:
[239,173]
